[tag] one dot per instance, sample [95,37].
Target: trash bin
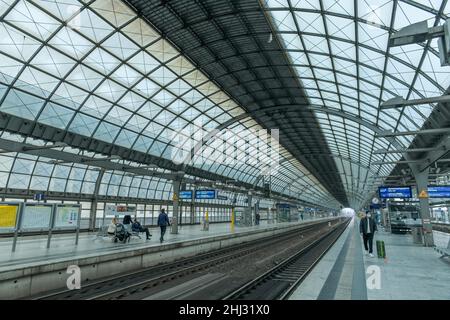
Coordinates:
[417,235]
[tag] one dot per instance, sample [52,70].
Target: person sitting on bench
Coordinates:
[137,227]
[112,227]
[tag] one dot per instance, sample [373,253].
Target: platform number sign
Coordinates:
[373,280]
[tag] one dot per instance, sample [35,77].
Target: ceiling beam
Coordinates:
[383,151]
[400,102]
[387,134]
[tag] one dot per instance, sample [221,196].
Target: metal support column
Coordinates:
[192,207]
[93,213]
[447,215]
[176,200]
[422,186]
[249,198]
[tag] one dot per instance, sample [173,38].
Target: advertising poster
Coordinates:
[112,210]
[8,216]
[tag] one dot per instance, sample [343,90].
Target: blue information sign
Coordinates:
[39,197]
[439,191]
[186,194]
[395,192]
[205,194]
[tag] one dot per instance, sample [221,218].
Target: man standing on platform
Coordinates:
[367,228]
[163,222]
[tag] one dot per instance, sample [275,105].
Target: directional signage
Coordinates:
[39,197]
[439,191]
[186,194]
[205,194]
[395,192]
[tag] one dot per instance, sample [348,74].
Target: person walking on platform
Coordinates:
[163,222]
[367,228]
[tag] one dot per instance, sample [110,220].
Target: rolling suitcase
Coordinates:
[381,252]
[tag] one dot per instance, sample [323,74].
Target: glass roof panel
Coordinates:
[96,69]
[352,48]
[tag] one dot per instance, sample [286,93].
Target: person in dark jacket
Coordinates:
[137,227]
[367,228]
[257,218]
[163,222]
[127,219]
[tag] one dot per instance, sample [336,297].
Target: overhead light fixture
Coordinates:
[113,157]
[419,32]
[58,161]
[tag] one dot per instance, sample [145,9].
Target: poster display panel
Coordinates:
[67,216]
[9,213]
[36,216]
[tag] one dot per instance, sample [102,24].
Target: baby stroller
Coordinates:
[121,234]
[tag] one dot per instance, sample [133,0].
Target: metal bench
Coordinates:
[102,233]
[133,233]
[444,252]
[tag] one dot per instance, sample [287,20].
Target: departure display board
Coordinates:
[8,215]
[67,216]
[36,216]
[439,191]
[186,194]
[395,192]
[205,194]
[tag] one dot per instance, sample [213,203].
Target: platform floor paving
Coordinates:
[33,249]
[409,272]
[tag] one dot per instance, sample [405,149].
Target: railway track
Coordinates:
[136,283]
[282,280]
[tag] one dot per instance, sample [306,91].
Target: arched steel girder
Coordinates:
[337,71]
[338,113]
[315,108]
[396,144]
[210,17]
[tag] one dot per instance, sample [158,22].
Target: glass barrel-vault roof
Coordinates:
[340,51]
[95,68]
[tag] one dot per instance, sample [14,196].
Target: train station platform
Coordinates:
[409,272]
[33,268]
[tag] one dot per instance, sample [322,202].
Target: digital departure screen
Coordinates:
[439,191]
[187,194]
[395,192]
[205,194]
